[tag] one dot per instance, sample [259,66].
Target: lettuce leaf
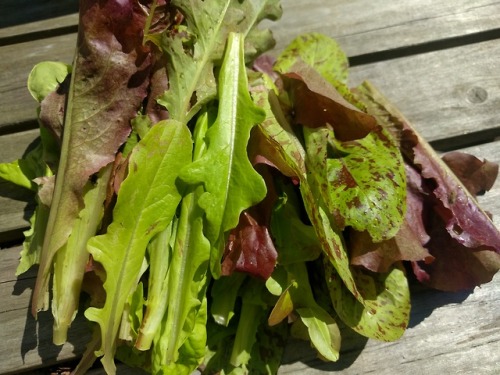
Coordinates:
[146,204]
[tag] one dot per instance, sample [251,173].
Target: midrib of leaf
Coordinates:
[180,294]
[207,53]
[133,236]
[39,301]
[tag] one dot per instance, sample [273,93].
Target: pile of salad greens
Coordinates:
[205,202]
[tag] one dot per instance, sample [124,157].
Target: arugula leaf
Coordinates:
[231,184]
[146,203]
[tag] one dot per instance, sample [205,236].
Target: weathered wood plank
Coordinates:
[18,33]
[390,25]
[15,12]
[17,105]
[445,94]
[367,26]
[27,343]
[449,333]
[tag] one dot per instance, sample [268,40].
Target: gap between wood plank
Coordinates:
[37,35]
[417,49]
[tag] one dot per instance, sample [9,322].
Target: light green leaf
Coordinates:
[191,353]
[319,51]
[70,261]
[231,183]
[23,171]
[364,180]
[45,77]
[194,51]
[323,331]
[146,203]
[385,311]
[160,255]
[322,328]
[187,273]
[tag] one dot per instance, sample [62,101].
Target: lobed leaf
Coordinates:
[146,203]
[231,184]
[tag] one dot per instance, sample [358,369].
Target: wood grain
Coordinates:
[451,95]
[367,26]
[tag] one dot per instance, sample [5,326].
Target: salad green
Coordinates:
[208,203]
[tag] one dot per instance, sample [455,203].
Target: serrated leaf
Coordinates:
[146,203]
[195,51]
[231,184]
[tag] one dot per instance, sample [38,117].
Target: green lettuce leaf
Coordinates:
[71,260]
[385,311]
[45,77]
[195,49]
[187,274]
[146,203]
[364,180]
[231,183]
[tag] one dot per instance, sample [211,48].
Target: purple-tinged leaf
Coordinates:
[250,249]
[478,176]
[108,84]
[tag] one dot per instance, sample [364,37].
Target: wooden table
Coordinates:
[437,60]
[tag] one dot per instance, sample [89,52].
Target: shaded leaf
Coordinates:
[317,103]
[478,176]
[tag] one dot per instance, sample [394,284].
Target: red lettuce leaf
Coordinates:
[478,176]
[317,103]
[249,249]
[443,215]
[109,81]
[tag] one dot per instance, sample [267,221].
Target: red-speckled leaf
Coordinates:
[445,217]
[362,182]
[108,84]
[385,312]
